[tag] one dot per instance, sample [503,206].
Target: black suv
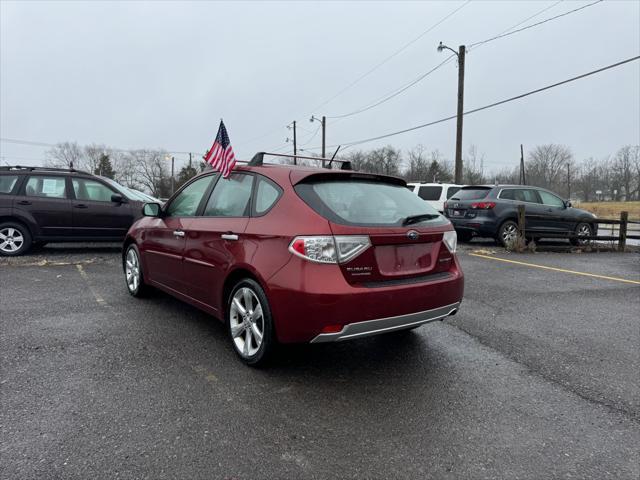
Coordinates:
[40,205]
[492,211]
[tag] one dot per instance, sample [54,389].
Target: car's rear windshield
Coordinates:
[365,203]
[430,192]
[475,193]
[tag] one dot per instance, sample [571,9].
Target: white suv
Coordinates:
[434,193]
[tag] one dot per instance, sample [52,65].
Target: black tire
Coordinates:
[256,352]
[581,230]
[506,231]
[15,239]
[132,268]
[464,236]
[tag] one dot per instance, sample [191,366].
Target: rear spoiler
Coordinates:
[304,176]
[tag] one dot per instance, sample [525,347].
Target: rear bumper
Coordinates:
[481,226]
[389,324]
[314,302]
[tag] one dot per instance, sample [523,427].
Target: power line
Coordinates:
[502,35]
[397,92]
[397,52]
[530,17]
[52,145]
[517,97]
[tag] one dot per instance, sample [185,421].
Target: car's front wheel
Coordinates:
[133,271]
[249,323]
[582,230]
[15,239]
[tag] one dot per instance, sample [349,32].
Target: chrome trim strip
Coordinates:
[388,324]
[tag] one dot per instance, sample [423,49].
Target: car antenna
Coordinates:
[334,156]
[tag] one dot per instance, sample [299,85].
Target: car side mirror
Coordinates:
[152,210]
[117,198]
[567,203]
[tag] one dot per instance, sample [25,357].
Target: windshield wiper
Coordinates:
[411,219]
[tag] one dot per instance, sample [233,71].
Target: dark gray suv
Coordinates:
[492,211]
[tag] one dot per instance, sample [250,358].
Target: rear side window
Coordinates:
[266,196]
[451,191]
[230,197]
[91,190]
[430,193]
[471,193]
[364,203]
[7,182]
[50,187]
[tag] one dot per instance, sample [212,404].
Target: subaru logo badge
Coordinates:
[413,235]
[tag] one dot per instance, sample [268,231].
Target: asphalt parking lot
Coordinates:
[536,377]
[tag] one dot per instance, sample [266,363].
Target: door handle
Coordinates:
[229,236]
[24,202]
[178,233]
[82,205]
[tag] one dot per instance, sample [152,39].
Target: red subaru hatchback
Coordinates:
[297,254]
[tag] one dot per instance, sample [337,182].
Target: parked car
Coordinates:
[296,254]
[39,205]
[492,211]
[434,193]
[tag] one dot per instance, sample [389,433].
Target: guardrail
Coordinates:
[624,233]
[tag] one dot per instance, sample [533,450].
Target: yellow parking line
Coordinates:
[544,267]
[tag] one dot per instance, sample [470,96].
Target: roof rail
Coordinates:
[258,160]
[45,169]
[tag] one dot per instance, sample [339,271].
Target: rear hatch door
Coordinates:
[405,233]
[460,203]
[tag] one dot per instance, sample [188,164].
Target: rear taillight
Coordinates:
[329,249]
[483,205]
[450,239]
[445,206]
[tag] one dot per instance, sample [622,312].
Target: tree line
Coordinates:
[550,166]
[146,170]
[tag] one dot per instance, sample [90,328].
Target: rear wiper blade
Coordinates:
[418,218]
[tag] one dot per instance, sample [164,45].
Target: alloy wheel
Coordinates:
[132,270]
[509,233]
[584,230]
[11,240]
[246,322]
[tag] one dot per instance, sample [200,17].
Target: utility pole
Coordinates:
[189,160]
[323,125]
[295,144]
[173,178]
[461,56]
[458,171]
[568,181]
[324,136]
[523,179]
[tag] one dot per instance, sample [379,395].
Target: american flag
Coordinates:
[221,156]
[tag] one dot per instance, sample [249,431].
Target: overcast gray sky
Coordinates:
[162,74]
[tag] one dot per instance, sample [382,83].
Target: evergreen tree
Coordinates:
[104,167]
[187,172]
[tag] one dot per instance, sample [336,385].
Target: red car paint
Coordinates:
[305,297]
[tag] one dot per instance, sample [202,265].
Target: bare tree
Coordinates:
[547,167]
[623,169]
[473,167]
[65,155]
[92,155]
[151,172]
